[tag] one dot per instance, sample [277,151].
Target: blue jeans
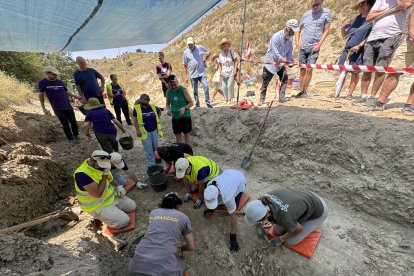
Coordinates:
[150,144]
[119,177]
[228,87]
[194,83]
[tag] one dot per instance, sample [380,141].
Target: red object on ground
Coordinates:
[306,247]
[129,185]
[131,226]
[243,200]
[195,195]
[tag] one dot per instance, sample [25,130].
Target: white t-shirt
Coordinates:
[230,183]
[390,25]
[227,62]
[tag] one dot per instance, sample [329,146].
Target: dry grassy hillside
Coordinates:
[13,91]
[264,17]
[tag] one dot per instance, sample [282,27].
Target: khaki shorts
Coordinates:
[404,56]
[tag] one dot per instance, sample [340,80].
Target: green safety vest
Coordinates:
[87,202]
[109,91]
[198,162]
[141,121]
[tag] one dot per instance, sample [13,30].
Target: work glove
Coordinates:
[187,197]
[197,204]
[106,171]
[234,245]
[141,185]
[121,191]
[276,242]
[261,232]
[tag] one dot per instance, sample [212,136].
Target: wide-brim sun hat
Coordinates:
[103,158]
[51,69]
[255,211]
[92,104]
[355,7]
[224,41]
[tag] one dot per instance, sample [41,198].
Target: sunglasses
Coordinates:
[103,157]
[144,105]
[316,5]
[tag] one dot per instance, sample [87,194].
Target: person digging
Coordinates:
[294,212]
[227,189]
[171,153]
[117,164]
[196,172]
[97,196]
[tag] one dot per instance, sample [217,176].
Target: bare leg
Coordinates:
[353,84]
[410,99]
[365,81]
[179,138]
[308,78]
[390,84]
[187,185]
[201,191]
[302,78]
[378,80]
[188,139]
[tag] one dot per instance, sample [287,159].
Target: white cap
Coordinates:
[293,24]
[116,160]
[211,196]
[51,69]
[180,167]
[103,158]
[190,40]
[255,211]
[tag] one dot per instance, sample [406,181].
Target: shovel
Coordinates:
[247,160]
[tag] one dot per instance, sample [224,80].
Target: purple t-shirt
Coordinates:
[149,118]
[203,173]
[56,93]
[118,100]
[101,118]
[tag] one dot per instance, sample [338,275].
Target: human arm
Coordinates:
[317,47]
[72,95]
[189,100]
[119,125]
[189,243]
[275,43]
[345,32]
[358,47]
[139,134]
[297,230]
[167,105]
[97,189]
[42,103]
[87,128]
[102,79]
[378,11]
[131,175]
[411,27]
[79,89]
[186,74]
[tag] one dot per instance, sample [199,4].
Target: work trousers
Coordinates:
[108,142]
[124,108]
[114,215]
[68,120]
[267,77]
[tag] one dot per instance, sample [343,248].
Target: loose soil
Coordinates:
[359,162]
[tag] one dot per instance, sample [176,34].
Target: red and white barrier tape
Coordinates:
[347,68]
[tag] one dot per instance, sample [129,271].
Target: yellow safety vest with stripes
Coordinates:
[141,121]
[87,202]
[109,92]
[198,162]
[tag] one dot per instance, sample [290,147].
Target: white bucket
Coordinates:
[296,84]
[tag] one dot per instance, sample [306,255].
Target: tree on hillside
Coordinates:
[138,50]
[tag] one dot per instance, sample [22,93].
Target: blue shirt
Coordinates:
[194,61]
[56,93]
[358,35]
[101,118]
[279,47]
[313,25]
[88,83]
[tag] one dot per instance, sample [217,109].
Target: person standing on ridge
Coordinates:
[86,83]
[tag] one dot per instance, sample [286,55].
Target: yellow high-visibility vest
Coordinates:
[87,202]
[141,121]
[109,92]
[198,162]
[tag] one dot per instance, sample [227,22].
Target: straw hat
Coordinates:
[223,41]
[355,7]
[92,104]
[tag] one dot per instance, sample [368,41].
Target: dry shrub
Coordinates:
[13,91]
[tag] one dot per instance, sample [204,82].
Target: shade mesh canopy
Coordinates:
[80,25]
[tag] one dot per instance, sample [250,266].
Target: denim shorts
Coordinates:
[307,56]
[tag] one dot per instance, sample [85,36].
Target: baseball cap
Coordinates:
[172,78]
[103,158]
[211,196]
[255,211]
[293,24]
[190,40]
[51,69]
[116,160]
[180,167]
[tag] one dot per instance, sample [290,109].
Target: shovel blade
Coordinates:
[246,162]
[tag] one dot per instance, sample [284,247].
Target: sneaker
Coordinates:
[76,139]
[209,106]
[282,98]
[72,141]
[408,111]
[301,94]
[376,106]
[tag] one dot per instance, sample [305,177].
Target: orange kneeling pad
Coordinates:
[129,185]
[131,226]
[243,200]
[306,247]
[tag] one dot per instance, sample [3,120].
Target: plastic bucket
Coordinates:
[159,182]
[296,84]
[155,169]
[126,142]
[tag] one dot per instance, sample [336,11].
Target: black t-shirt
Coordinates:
[294,205]
[176,151]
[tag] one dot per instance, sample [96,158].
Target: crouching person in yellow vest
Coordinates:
[147,124]
[196,171]
[97,196]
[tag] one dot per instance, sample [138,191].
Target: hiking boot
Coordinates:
[301,94]
[209,106]
[408,111]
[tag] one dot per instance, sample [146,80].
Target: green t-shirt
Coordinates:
[177,101]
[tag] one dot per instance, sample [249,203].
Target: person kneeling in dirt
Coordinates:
[171,153]
[97,196]
[196,171]
[118,163]
[227,189]
[295,213]
[155,253]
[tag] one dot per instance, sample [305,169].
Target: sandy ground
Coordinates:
[360,162]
